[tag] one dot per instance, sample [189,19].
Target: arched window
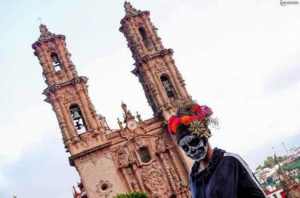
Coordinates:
[77,118]
[143,33]
[56,62]
[144,155]
[168,87]
[146,40]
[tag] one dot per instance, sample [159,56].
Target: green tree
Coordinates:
[259,167]
[281,159]
[269,162]
[269,180]
[132,195]
[278,185]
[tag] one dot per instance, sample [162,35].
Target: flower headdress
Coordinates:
[196,117]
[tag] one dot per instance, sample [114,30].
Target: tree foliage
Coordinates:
[269,180]
[269,162]
[132,195]
[259,167]
[295,164]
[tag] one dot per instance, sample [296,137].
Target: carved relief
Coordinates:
[160,68]
[155,180]
[131,158]
[123,156]
[175,178]
[61,75]
[139,142]
[51,46]
[163,142]
[69,95]
[160,145]
[59,114]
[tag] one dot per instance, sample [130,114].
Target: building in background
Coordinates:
[276,193]
[140,155]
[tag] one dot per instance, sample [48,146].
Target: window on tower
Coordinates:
[56,62]
[168,87]
[77,118]
[146,40]
[143,33]
[144,155]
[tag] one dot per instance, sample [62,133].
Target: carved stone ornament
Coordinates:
[123,156]
[160,68]
[61,75]
[131,158]
[59,113]
[176,103]
[151,87]
[69,95]
[160,145]
[104,188]
[155,180]
[139,142]
[130,11]
[175,178]
[45,33]
[51,46]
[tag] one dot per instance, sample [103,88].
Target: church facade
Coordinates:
[139,156]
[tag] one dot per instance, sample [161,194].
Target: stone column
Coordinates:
[124,171]
[150,79]
[171,68]
[138,176]
[85,107]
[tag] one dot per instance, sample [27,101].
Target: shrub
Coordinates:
[132,195]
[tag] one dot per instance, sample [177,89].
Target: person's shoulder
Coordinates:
[234,158]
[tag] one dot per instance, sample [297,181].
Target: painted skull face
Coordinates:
[193,146]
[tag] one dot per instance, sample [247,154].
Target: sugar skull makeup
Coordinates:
[194,146]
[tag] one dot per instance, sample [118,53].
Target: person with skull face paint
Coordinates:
[215,172]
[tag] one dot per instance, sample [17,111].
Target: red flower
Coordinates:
[196,109]
[177,120]
[170,122]
[174,127]
[193,118]
[201,111]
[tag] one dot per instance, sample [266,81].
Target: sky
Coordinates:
[240,57]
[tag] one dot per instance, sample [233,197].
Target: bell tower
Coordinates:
[67,93]
[163,85]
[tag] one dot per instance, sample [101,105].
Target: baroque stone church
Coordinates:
[139,156]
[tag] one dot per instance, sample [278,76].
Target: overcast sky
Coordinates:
[240,57]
